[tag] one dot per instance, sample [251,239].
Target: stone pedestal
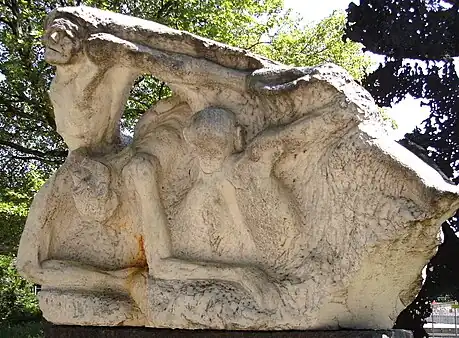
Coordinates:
[60,331]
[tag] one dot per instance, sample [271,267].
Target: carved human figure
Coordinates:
[80,205]
[214,232]
[88,93]
[232,197]
[223,260]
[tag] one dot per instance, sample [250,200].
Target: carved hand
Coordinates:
[260,287]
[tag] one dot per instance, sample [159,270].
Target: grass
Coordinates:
[29,329]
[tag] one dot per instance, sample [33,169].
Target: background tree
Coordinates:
[299,44]
[419,39]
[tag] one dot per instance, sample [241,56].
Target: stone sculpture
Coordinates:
[259,196]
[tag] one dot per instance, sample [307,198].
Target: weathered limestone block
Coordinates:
[258,197]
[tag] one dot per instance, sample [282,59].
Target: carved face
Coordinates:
[62,42]
[212,136]
[92,195]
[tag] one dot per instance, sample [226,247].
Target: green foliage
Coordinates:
[31,329]
[236,22]
[387,119]
[296,45]
[17,299]
[14,205]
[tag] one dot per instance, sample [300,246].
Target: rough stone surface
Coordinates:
[258,197]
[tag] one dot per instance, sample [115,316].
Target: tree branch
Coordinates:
[9,24]
[138,80]
[30,158]
[258,43]
[48,116]
[38,153]
[161,87]
[315,52]
[163,10]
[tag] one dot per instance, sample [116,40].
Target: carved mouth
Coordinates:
[53,49]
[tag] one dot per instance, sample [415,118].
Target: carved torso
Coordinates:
[210,210]
[114,243]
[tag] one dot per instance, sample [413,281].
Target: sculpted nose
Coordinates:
[54,37]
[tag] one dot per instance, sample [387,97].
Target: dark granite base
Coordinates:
[57,331]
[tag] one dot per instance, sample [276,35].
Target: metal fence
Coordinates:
[444,320]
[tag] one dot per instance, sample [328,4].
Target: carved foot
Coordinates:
[68,307]
[203,305]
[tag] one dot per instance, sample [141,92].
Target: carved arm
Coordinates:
[32,260]
[142,175]
[33,246]
[178,70]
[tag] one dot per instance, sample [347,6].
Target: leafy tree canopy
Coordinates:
[17,298]
[310,45]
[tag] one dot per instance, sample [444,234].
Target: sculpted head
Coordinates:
[92,195]
[63,40]
[213,135]
[88,96]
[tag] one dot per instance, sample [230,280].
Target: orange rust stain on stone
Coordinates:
[122,225]
[141,258]
[138,276]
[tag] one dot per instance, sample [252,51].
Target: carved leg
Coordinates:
[141,175]
[252,279]
[89,308]
[201,304]
[77,294]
